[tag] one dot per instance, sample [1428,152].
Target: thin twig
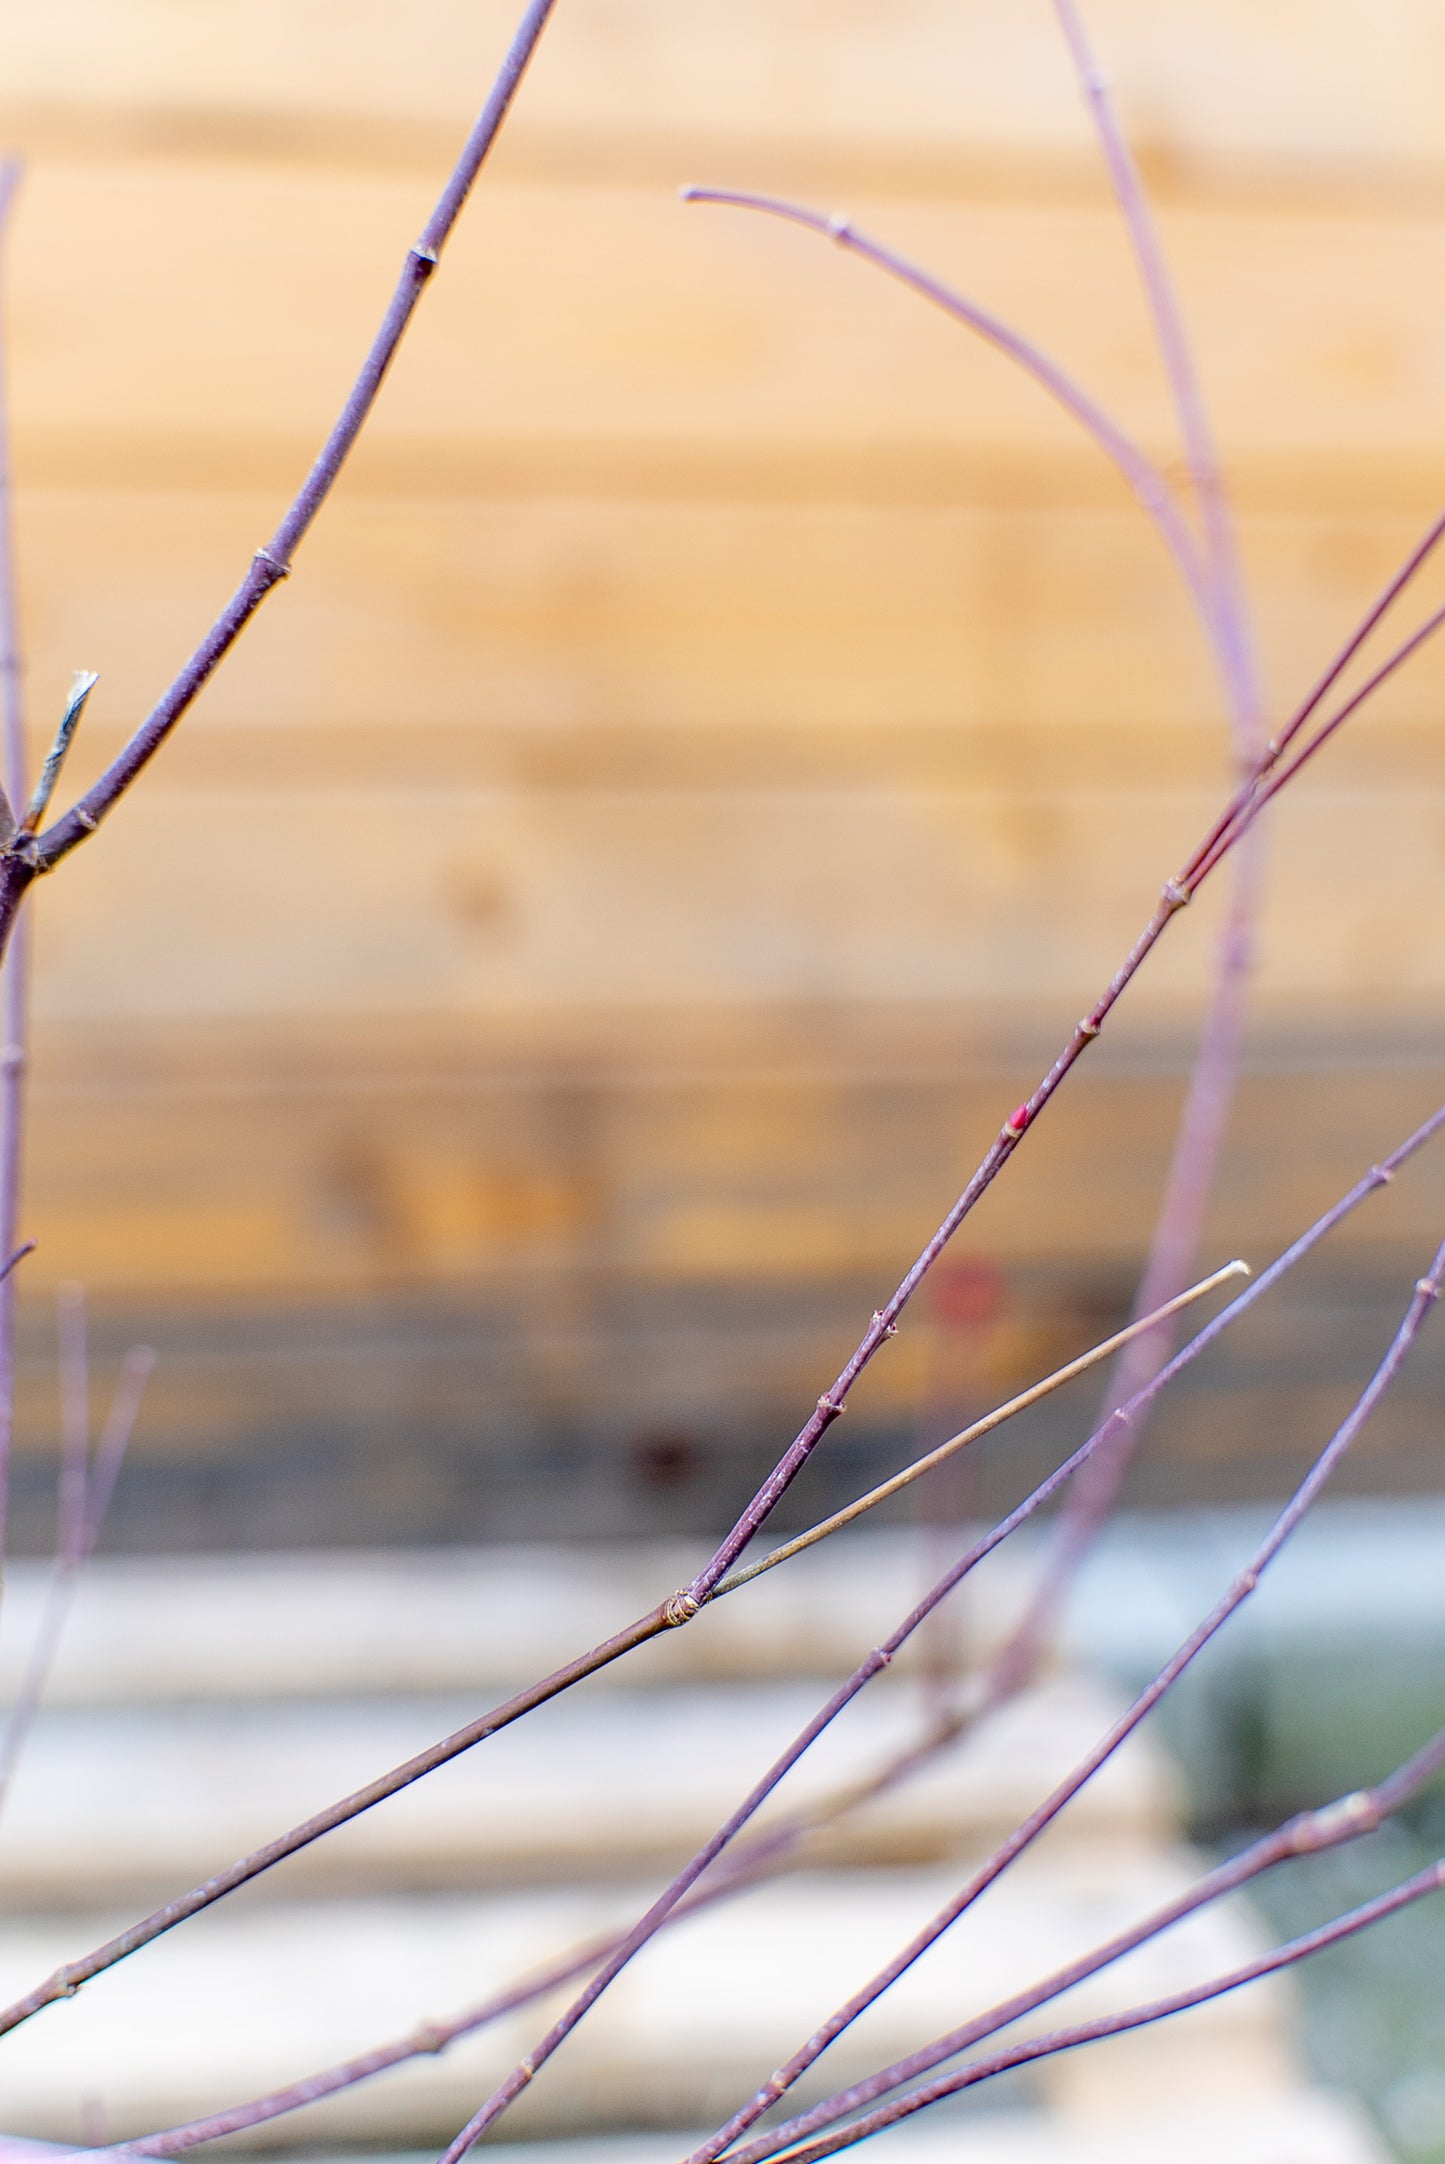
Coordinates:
[82,685]
[1228,614]
[1332,1825]
[1428,1881]
[273,562]
[15,968]
[1427,1291]
[1137,468]
[979,1428]
[85,1502]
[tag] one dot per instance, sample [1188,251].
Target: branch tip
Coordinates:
[82,684]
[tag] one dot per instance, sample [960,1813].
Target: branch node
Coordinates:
[680,1608]
[86,818]
[1381,1175]
[882,1325]
[1173,895]
[1089,1027]
[832,1408]
[425,259]
[840,226]
[1428,1287]
[1357,1813]
[1015,1124]
[273,564]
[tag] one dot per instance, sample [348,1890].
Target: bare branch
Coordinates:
[273,561]
[1136,467]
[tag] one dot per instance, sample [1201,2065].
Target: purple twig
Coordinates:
[1136,467]
[1427,1291]
[19,866]
[15,969]
[1227,615]
[1348,1818]
[1136,2017]
[87,1486]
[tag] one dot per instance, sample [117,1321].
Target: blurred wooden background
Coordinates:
[722,733]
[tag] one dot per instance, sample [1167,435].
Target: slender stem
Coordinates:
[1177,1231]
[986,1426]
[1265,788]
[67,1980]
[1330,1826]
[1427,1291]
[81,1522]
[1227,614]
[274,561]
[15,968]
[1428,1881]
[1136,467]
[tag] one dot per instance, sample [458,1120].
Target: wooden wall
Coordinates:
[724,729]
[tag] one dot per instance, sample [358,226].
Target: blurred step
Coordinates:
[593,1786]
[248,1997]
[1313,2128]
[341,1624]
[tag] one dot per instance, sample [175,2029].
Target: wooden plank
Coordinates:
[443,901]
[254,1995]
[614,313]
[276,1630]
[561,641]
[663,1768]
[1297,86]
